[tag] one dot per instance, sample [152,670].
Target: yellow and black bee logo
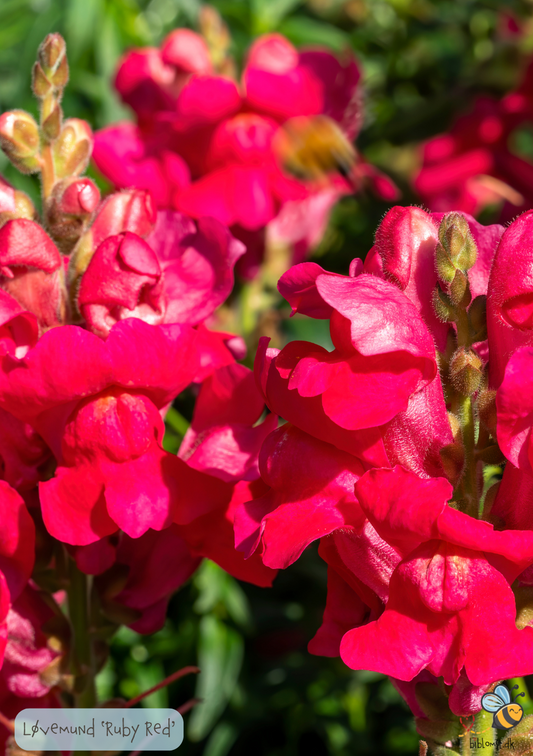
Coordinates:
[507,713]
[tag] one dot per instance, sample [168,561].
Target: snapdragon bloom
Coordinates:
[102,324]
[379,460]
[205,143]
[476,163]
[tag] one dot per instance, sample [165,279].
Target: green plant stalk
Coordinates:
[469,480]
[482,733]
[82,656]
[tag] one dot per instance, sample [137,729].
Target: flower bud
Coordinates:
[439,725]
[466,371]
[69,209]
[459,291]
[443,306]
[457,241]
[130,210]
[72,149]
[445,267]
[51,127]
[486,406]
[14,203]
[77,197]
[51,66]
[19,138]
[440,732]
[452,455]
[519,740]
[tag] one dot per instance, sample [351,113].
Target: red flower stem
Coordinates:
[170,679]
[181,710]
[184,708]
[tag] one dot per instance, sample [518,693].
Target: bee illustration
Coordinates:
[311,147]
[507,714]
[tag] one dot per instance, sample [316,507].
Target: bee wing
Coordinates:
[492,702]
[503,692]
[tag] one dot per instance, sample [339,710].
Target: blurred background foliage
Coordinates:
[423,62]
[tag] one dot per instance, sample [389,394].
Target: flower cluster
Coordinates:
[382,455]
[477,163]
[208,144]
[102,325]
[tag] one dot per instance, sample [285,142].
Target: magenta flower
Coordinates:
[473,165]
[196,124]
[377,463]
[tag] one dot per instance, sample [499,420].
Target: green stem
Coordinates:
[463,328]
[469,480]
[83,665]
[482,738]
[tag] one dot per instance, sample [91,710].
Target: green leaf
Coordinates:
[220,654]
[219,591]
[176,421]
[268,14]
[222,738]
[81,20]
[305,31]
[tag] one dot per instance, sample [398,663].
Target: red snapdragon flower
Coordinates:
[370,455]
[473,165]
[204,143]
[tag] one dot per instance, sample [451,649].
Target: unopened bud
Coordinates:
[52,58]
[14,203]
[445,267]
[457,240]
[433,701]
[51,127]
[69,210]
[130,210]
[40,83]
[520,739]
[486,406]
[443,306]
[440,732]
[466,371]
[440,725]
[72,149]
[459,290]
[19,138]
[79,196]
